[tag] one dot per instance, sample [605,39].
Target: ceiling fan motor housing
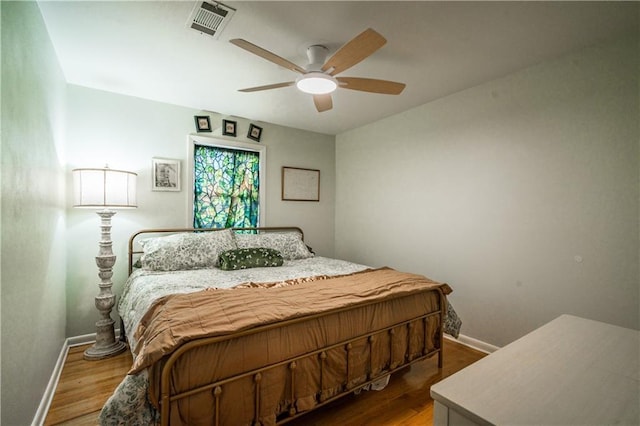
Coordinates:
[317,55]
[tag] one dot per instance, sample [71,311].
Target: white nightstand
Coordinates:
[571,371]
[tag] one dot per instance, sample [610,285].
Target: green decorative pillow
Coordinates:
[257,257]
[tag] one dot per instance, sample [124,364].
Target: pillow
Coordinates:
[190,250]
[289,244]
[258,257]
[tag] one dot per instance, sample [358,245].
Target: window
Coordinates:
[228,183]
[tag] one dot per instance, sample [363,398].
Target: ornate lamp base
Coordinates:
[96,352]
[106,344]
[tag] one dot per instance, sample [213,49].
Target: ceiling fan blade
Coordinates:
[360,47]
[265,54]
[323,102]
[267,87]
[372,85]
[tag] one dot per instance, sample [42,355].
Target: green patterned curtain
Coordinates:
[226,187]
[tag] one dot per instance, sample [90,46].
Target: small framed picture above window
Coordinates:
[255,132]
[203,124]
[165,174]
[229,127]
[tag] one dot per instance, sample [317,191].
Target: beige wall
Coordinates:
[33,211]
[126,132]
[521,193]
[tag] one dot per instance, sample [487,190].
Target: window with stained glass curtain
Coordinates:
[226,187]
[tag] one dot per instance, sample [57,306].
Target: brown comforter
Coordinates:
[177,319]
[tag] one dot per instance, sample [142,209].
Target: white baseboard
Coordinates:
[45,403]
[85,339]
[476,344]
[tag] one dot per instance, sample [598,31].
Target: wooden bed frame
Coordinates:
[217,388]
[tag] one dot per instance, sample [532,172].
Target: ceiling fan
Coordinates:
[318,78]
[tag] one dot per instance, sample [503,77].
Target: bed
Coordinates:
[248,326]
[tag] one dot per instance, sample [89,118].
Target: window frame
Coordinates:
[227,144]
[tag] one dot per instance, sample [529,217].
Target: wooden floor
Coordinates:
[85,386]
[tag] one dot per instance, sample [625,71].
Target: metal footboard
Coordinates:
[395,362]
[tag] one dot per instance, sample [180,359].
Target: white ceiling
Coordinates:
[145,49]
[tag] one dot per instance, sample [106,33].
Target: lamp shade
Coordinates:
[104,188]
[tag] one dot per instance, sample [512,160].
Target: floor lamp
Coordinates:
[104,189]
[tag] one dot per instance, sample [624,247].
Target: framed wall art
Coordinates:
[165,174]
[300,184]
[255,132]
[229,127]
[203,124]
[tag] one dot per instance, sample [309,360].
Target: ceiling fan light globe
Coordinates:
[316,83]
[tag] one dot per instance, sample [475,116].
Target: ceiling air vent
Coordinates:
[210,18]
